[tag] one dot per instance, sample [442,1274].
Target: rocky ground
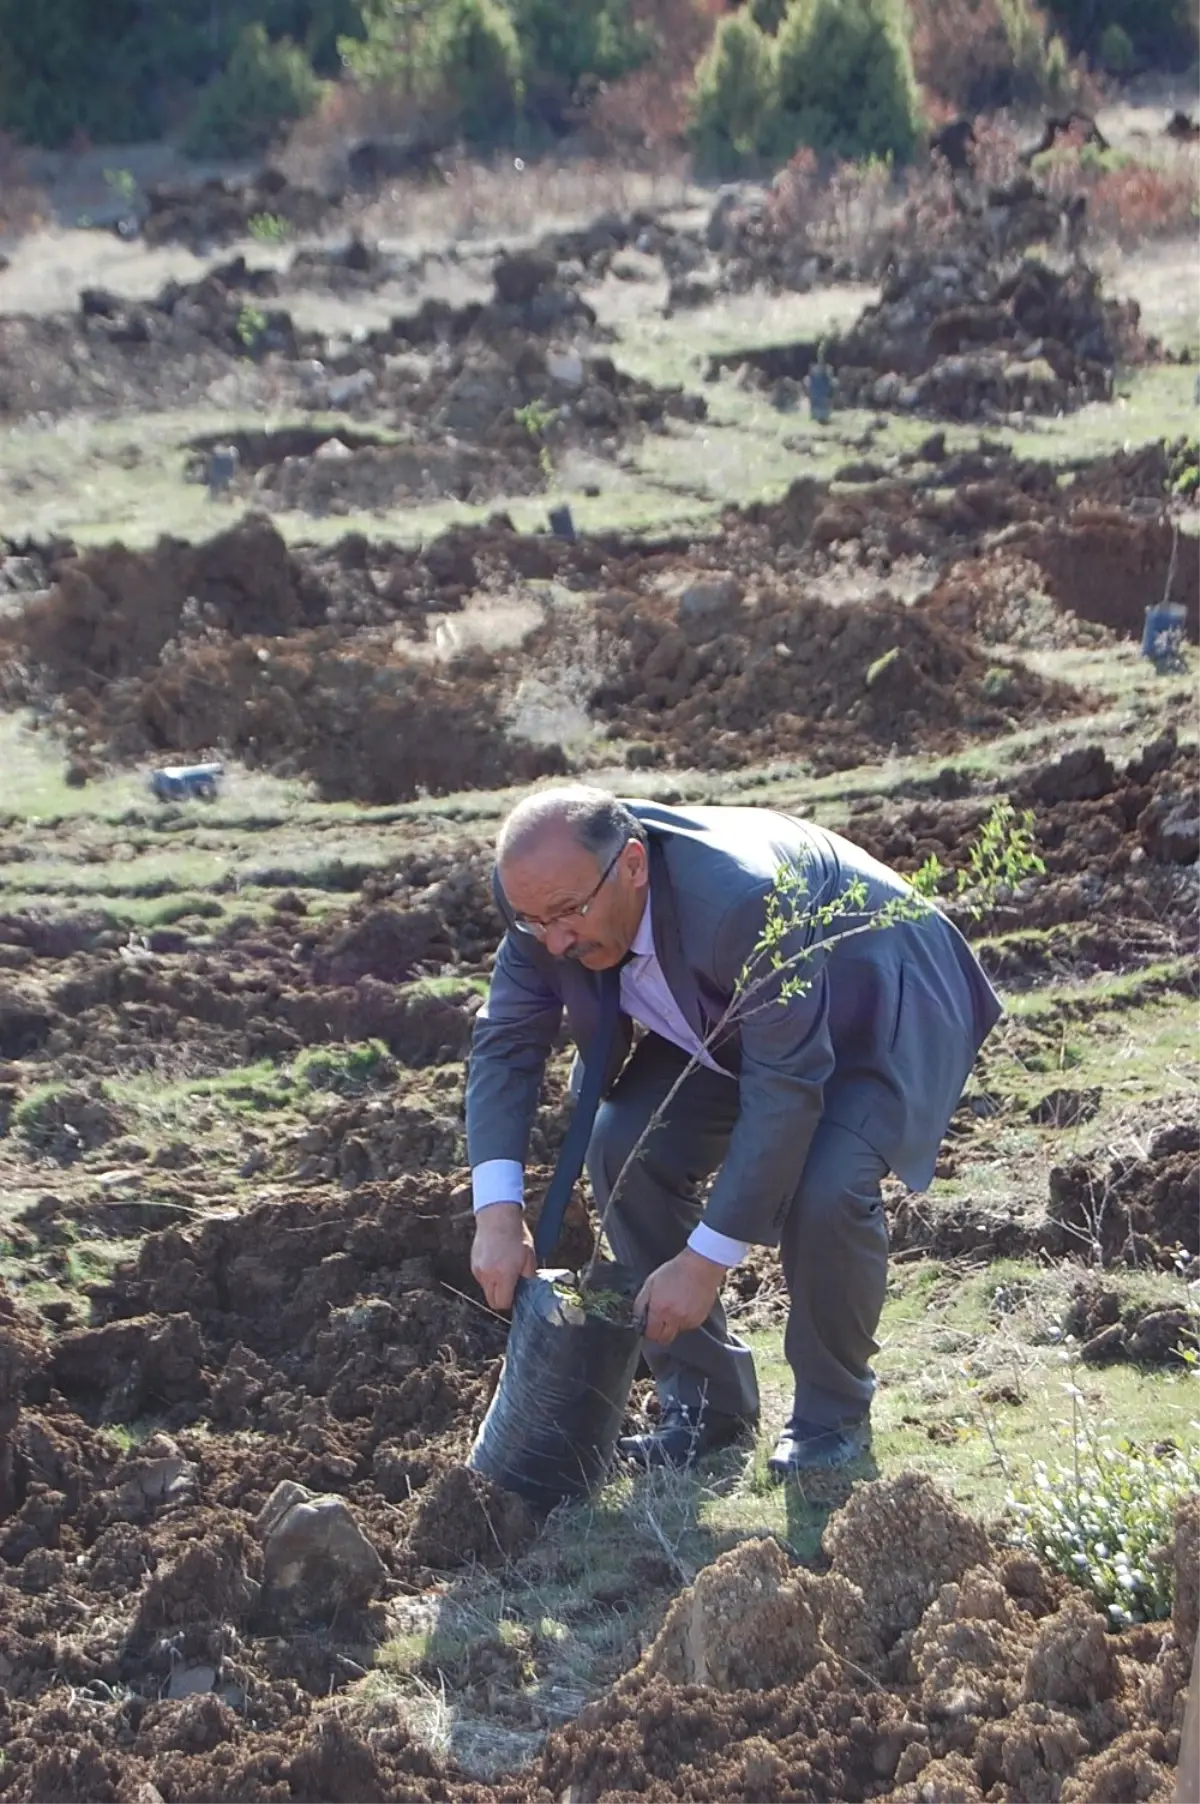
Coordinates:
[241,1356]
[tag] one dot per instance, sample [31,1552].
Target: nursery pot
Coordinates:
[1162,638]
[551,1429]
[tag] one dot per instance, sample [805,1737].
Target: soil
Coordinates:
[364,1390]
[685,650]
[219,210]
[957,335]
[233,1430]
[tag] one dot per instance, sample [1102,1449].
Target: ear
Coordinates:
[637,865]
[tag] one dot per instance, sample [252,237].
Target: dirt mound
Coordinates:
[713,682]
[681,662]
[1112,840]
[988,1678]
[1002,599]
[1134,1211]
[1110,1328]
[214,212]
[377,479]
[959,337]
[1109,567]
[1125,478]
[111,611]
[181,618]
[316,1352]
[115,353]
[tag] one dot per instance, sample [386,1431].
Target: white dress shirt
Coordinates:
[645,997]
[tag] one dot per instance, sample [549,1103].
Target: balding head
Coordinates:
[573,866]
[597,823]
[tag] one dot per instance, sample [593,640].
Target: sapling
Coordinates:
[773,974]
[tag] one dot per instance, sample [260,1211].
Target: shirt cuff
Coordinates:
[717,1247]
[497,1181]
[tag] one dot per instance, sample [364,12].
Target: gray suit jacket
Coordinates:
[881,1041]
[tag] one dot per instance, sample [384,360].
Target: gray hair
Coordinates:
[598,822]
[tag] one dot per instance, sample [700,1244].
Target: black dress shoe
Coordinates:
[684,1435]
[812,1447]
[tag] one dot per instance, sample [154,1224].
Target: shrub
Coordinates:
[584,37]
[459,61]
[263,87]
[845,81]
[1161,32]
[650,107]
[61,75]
[733,114]
[1116,49]
[982,54]
[471,58]
[1102,1519]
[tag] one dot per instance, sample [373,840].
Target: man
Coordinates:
[820,1062]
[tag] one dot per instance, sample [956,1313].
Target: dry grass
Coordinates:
[466,198]
[472,200]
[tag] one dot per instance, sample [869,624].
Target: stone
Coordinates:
[191,1681]
[316,1559]
[519,277]
[709,599]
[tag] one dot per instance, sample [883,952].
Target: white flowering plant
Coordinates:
[1104,1520]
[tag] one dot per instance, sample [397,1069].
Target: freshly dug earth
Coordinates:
[325,1339]
[958,336]
[449,376]
[139,1628]
[243,644]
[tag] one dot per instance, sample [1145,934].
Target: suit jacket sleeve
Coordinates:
[787,1058]
[511,1040]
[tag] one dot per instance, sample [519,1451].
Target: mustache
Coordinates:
[578,952]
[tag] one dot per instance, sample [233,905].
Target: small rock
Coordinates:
[565,367]
[706,600]
[317,1561]
[189,1681]
[519,277]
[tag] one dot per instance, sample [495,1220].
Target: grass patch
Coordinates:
[345,1070]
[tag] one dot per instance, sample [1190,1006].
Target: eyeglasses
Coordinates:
[539,929]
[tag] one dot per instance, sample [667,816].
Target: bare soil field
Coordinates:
[242,1358]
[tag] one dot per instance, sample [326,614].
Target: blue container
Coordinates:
[185,782]
[820,394]
[1162,637]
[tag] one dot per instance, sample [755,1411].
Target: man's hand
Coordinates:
[678,1296]
[502,1252]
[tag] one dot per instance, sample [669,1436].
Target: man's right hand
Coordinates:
[502,1252]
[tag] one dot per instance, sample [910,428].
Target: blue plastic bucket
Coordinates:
[1162,636]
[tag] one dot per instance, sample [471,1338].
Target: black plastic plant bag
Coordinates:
[551,1429]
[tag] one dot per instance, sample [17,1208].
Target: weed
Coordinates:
[251,324]
[536,418]
[881,665]
[123,184]
[1102,1520]
[269,228]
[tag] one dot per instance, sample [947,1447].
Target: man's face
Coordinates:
[548,886]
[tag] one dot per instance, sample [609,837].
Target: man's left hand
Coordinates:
[678,1296]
